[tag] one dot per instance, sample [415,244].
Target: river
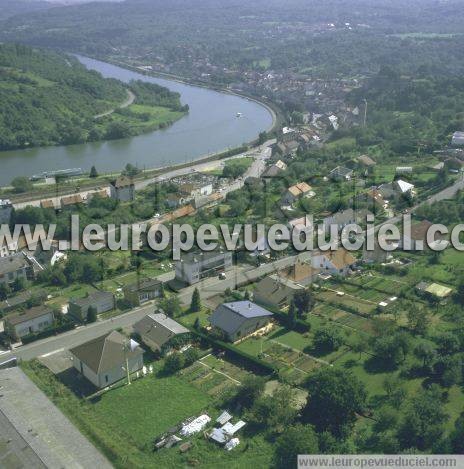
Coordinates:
[211,126]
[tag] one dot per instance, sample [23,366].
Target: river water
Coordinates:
[211,126]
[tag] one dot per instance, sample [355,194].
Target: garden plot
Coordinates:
[213,376]
[350,302]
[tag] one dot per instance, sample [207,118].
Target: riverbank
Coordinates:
[273,109]
[210,130]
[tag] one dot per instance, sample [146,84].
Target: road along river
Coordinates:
[211,126]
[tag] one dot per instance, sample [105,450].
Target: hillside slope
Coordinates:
[49,98]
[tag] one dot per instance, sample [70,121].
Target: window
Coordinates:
[106,378]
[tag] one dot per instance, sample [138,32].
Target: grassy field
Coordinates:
[142,118]
[125,420]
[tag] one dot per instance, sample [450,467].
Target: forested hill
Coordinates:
[49,98]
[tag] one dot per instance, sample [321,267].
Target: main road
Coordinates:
[208,287]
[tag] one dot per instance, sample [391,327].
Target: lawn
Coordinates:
[150,406]
[123,423]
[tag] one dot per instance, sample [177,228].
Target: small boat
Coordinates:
[239,114]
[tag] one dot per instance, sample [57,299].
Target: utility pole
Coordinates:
[127,362]
[365,111]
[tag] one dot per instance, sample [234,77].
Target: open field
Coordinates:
[124,421]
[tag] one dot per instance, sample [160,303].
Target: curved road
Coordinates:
[130,100]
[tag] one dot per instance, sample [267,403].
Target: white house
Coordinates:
[103,360]
[337,262]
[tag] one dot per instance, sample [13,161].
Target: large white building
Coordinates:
[192,267]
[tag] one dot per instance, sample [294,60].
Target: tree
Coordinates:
[418,320]
[447,343]
[191,356]
[4,291]
[117,129]
[174,362]
[359,345]
[335,398]
[386,419]
[423,420]
[327,339]
[130,170]
[426,352]
[196,324]
[93,172]
[251,388]
[275,412]
[392,349]
[21,184]
[195,304]
[91,314]
[171,306]
[304,301]
[457,436]
[297,439]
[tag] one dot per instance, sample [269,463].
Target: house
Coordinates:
[373,198]
[458,139]
[144,290]
[275,291]
[102,301]
[417,238]
[434,290]
[6,207]
[54,204]
[366,161]
[30,321]
[376,255]
[196,189]
[71,200]
[275,169]
[103,360]
[287,148]
[403,187]
[174,200]
[302,273]
[13,267]
[157,329]
[192,267]
[302,224]
[296,191]
[340,173]
[239,319]
[338,262]
[403,170]
[339,219]
[122,189]
[8,249]
[386,191]
[287,134]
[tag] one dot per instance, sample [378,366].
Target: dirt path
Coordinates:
[130,100]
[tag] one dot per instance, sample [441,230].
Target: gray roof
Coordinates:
[275,289]
[159,328]
[340,171]
[23,316]
[144,284]
[93,298]
[105,353]
[230,316]
[13,263]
